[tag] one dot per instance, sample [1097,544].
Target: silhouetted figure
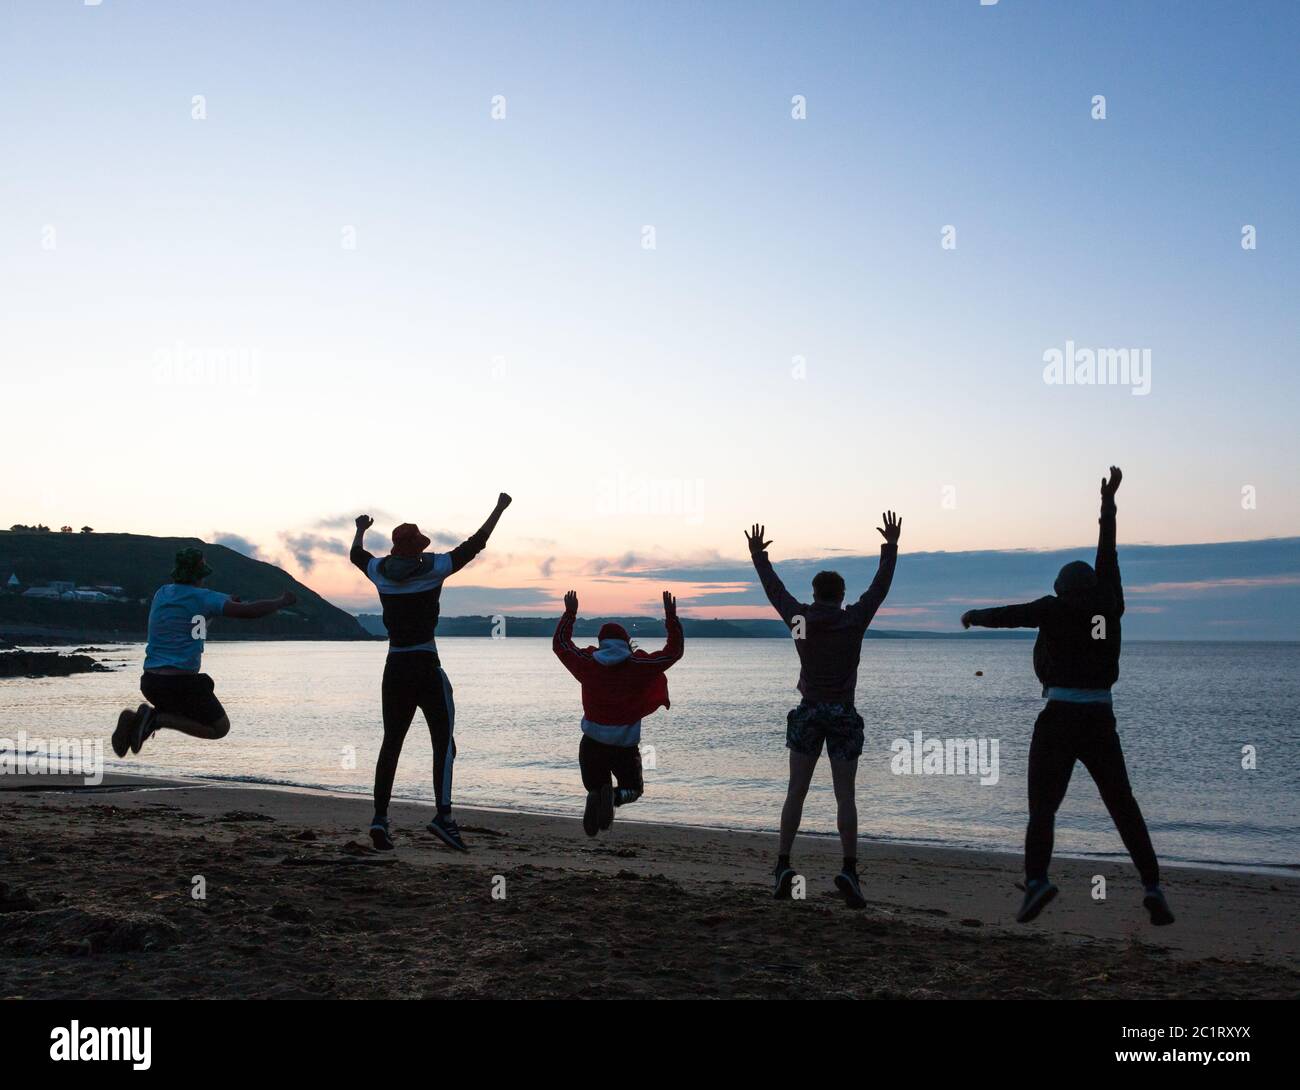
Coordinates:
[409,582]
[620,687]
[828,638]
[179,697]
[1076,657]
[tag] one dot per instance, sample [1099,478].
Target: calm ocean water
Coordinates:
[1185,711]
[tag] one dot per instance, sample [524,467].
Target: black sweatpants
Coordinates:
[598,760]
[415,679]
[1065,733]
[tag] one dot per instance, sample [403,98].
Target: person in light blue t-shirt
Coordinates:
[177,695]
[176,635]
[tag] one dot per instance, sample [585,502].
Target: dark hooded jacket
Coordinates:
[410,588]
[829,637]
[1079,626]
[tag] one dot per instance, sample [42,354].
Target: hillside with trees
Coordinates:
[138,565]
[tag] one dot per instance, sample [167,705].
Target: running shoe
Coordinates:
[591,815]
[1038,895]
[122,734]
[143,726]
[847,883]
[1154,902]
[784,882]
[381,835]
[447,831]
[624,795]
[146,722]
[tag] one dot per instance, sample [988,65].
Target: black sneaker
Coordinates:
[1038,895]
[591,815]
[380,835]
[448,832]
[785,876]
[144,726]
[121,741]
[847,883]
[605,807]
[1154,902]
[624,795]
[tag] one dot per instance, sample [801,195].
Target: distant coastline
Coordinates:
[651,628]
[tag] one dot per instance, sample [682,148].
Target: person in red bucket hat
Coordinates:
[408,541]
[620,687]
[409,581]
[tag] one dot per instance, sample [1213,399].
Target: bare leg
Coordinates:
[801,774]
[193,727]
[844,776]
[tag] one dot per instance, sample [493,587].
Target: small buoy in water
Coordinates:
[979,673]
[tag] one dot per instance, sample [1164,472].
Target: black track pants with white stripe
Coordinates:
[415,679]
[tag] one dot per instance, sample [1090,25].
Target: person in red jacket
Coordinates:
[620,687]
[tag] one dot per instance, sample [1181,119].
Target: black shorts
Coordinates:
[838,726]
[189,695]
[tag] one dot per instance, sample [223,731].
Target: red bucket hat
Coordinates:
[408,541]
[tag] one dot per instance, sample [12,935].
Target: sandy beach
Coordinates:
[96,902]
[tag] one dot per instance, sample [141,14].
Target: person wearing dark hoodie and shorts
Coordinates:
[1076,657]
[409,582]
[620,687]
[178,696]
[828,638]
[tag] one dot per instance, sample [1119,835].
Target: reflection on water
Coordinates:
[308,713]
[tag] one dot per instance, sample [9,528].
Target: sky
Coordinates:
[658,272]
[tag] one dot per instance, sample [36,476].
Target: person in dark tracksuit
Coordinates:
[1076,657]
[409,582]
[620,687]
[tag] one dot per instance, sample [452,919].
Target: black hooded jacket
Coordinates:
[410,588]
[1079,626]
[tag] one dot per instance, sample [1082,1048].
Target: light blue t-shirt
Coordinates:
[173,626]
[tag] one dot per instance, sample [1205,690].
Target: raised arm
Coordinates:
[781,599]
[249,611]
[866,606]
[468,549]
[1107,566]
[676,645]
[358,554]
[562,643]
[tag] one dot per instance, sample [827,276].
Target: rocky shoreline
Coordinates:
[47,664]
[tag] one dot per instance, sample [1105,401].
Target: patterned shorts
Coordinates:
[839,726]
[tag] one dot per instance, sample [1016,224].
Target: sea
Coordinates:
[1210,732]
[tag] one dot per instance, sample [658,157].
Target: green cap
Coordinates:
[190,567]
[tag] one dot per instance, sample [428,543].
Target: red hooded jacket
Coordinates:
[619,693]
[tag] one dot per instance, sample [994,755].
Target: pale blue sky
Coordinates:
[375,384]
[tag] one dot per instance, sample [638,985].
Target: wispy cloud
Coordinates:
[469,600]
[1174,591]
[1200,586]
[348,520]
[616,565]
[239,543]
[305,547]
